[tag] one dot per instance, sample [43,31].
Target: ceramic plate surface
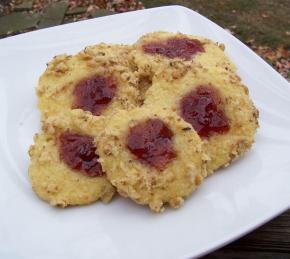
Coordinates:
[229,204]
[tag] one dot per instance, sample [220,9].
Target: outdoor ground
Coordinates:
[264,25]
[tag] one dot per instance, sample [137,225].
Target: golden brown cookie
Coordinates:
[96,80]
[196,117]
[172,55]
[218,107]
[151,156]
[64,168]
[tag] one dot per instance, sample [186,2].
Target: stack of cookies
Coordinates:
[148,121]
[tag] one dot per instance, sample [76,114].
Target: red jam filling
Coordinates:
[94,94]
[79,153]
[175,48]
[201,108]
[151,143]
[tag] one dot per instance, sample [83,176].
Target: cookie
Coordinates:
[151,120]
[96,80]
[64,168]
[172,55]
[151,156]
[218,107]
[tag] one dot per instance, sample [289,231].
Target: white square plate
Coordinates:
[229,203]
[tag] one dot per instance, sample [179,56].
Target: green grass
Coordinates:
[266,22]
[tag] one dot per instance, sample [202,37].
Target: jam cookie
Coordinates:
[96,80]
[64,168]
[151,156]
[217,107]
[171,55]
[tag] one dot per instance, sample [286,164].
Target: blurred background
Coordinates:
[264,25]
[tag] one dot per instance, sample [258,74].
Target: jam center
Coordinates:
[94,94]
[201,108]
[79,153]
[151,143]
[175,48]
